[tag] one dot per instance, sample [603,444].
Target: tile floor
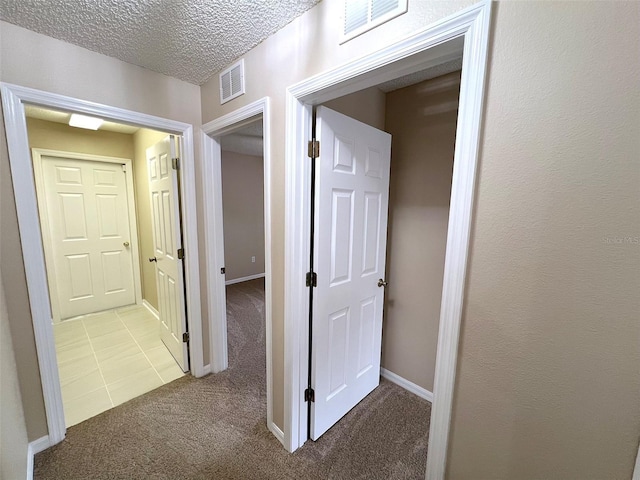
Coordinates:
[107,358]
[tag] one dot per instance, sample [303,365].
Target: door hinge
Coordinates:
[180,253]
[312,279]
[175,163]
[124,167]
[223,271]
[185,337]
[314,148]
[309,395]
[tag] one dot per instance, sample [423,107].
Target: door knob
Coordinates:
[382,283]
[126,244]
[153,259]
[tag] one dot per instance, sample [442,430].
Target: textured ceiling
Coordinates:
[186,39]
[63,117]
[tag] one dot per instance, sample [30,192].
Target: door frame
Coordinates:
[14,97]
[213,224]
[37,154]
[468,32]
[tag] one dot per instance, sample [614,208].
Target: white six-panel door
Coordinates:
[87,224]
[163,184]
[352,197]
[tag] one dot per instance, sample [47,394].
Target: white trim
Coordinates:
[40,445]
[406,384]
[296,301]
[214,255]
[37,154]
[30,456]
[213,221]
[152,310]
[467,151]
[207,369]
[273,428]
[467,29]
[13,99]
[33,448]
[245,279]
[191,263]
[636,470]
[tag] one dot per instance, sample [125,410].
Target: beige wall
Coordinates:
[37,61]
[548,378]
[243,211]
[548,382]
[548,374]
[306,46]
[59,136]
[422,121]
[366,106]
[143,139]
[13,430]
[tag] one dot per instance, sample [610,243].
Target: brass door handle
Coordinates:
[153,259]
[126,244]
[382,283]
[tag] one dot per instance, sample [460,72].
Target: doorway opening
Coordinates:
[97,218]
[242,178]
[16,101]
[247,130]
[367,260]
[462,35]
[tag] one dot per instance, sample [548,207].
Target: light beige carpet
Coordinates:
[215,427]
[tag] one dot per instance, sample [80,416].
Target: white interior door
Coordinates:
[352,198]
[87,224]
[167,240]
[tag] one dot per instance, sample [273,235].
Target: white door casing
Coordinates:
[89,233]
[352,200]
[214,254]
[167,241]
[14,98]
[420,50]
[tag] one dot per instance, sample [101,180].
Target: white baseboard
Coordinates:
[406,384]
[30,463]
[151,309]
[244,279]
[279,434]
[200,372]
[35,447]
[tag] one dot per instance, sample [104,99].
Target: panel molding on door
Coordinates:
[352,197]
[85,239]
[164,193]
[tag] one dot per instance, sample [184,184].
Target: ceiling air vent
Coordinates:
[232,82]
[363,15]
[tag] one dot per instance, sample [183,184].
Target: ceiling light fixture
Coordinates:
[82,121]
